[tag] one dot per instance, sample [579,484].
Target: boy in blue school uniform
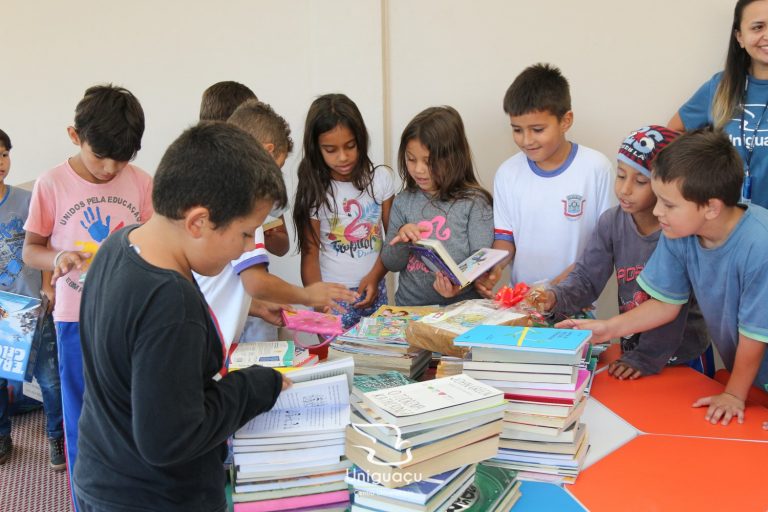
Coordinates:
[23,280]
[714,247]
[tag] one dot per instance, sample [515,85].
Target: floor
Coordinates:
[27,483]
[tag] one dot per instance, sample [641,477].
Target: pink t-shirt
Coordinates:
[78,215]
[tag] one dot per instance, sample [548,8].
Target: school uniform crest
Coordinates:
[573,206]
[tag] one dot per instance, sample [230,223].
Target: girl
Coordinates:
[342,205]
[736,99]
[443,200]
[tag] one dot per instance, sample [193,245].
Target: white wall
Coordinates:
[628,63]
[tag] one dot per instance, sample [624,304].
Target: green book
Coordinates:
[490,489]
[367,383]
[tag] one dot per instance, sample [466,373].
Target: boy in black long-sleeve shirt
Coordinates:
[157,413]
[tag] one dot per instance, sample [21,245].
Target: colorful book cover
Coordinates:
[435,263]
[264,353]
[481,262]
[491,486]
[409,312]
[382,328]
[460,318]
[511,337]
[20,328]
[390,379]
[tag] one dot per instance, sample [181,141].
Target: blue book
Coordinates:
[537,496]
[20,329]
[529,339]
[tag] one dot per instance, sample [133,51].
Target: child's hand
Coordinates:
[287,383]
[408,233]
[487,282]
[546,302]
[724,405]
[444,286]
[326,295]
[622,370]
[368,289]
[68,260]
[600,328]
[270,312]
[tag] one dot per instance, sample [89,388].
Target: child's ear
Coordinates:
[73,136]
[713,208]
[270,147]
[566,121]
[197,221]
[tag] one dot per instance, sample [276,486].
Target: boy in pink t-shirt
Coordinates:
[75,206]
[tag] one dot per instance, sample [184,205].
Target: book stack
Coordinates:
[401,434]
[378,344]
[292,457]
[542,373]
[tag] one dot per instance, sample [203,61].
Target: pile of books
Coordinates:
[421,439]
[378,344]
[542,373]
[292,457]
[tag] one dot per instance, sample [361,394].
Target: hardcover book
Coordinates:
[435,256]
[537,339]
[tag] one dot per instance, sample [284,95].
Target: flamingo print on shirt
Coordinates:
[357,230]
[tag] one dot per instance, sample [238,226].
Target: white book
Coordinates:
[288,483]
[328,368]
[278,447]
[566,369]
[264,353]
[318,406]
[432,400]
[302,467]
[299,438]
[271,473]
[523,378]
[288,456]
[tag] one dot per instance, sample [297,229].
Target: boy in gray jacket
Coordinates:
[625,238]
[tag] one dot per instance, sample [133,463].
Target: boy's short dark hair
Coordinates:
[707,165]
[539,88]
[220,167]
[264,124]
[5,140]
[110,119]
[222,98]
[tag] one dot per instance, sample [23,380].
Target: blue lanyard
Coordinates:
[746,188]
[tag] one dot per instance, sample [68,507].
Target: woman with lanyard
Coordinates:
[736,99]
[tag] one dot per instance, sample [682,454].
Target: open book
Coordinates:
[436,257]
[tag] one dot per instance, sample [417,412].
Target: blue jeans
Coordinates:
[47,374]
[72,388]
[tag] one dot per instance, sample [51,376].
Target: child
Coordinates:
[222,98]
[74,208]
[219,103]
[342,205]
[155,420]
[625,237]
[21,279]
[229,293]
[714,248]
[551,194]
[443,200]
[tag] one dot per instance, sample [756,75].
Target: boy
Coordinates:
[230,292]
[74,208]
[219,103]
[21,279]
[548,197]
[625,238]
[155,418]
[713,247]
[222,98]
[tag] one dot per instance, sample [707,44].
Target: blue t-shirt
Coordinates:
[697,112]
[729,281]
[15,277]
